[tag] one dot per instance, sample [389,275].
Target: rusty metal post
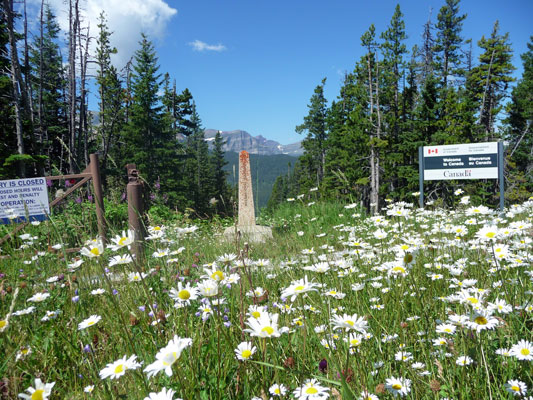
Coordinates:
[134,191]
[98,196]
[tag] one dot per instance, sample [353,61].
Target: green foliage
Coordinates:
[315,126]
[265,170]
[492,78]
[519,132]
[387,108]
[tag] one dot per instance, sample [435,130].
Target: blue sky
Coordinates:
[256,63]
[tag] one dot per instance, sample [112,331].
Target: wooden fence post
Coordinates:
[134,191]
[98,196]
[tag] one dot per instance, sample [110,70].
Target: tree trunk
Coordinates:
[73,31]
[84,52]
[18,84]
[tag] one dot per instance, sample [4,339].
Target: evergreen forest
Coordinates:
[361,146]
[48,129]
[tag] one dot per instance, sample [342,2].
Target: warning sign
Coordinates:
[23,200]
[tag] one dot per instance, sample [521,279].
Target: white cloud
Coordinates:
[125,19]
[198,45]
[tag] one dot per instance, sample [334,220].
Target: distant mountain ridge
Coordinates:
[239,140]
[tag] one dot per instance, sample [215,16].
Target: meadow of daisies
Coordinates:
[422,304]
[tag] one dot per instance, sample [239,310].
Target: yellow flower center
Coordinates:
[525,352]
[256,314]
[37,395]
[299,288]
[351,323]
[95,251]
[119,368]
[122,241]
[217,276]
[515,388]
[490,234]
[268,329]
[311,390]
[396,386]
[355,342]
[3,323]
[184,294]
[333,292]
[90,323]
[277,391]
[481,320]
[246,354]
[473,300]
[404,247]
[398,269]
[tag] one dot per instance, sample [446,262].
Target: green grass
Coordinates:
[402,312]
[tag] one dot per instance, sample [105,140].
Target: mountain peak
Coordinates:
[238,140]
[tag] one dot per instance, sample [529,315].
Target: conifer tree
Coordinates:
[520,131]
[492,77]
[110,113]
[393,49]
[314,158]
[145,133]
[217,162]
[348,141]
[48,82]
[8,144]
[448,41]
[199,175]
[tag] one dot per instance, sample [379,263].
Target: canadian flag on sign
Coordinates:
[433,151]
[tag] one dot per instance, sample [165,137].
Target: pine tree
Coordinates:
[48,84]
[374,115]
[492,77]
[448,41]
[217,162]
[314,158]
[520,132]
[279,192]
[410,137]
[8,144]
[393,50]
[110,95]
[144,132]
[199,175]
[348,142]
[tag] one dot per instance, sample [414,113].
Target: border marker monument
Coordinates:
[246,221]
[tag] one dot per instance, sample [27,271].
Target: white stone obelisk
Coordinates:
[246,222]
[246,195]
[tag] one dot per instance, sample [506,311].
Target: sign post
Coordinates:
[461,161]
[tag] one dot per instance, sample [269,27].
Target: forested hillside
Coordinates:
[264,168]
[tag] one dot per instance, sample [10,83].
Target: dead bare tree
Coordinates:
[19,90]
[84,55]
[74,23]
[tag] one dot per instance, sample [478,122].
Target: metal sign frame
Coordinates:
[500,177]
